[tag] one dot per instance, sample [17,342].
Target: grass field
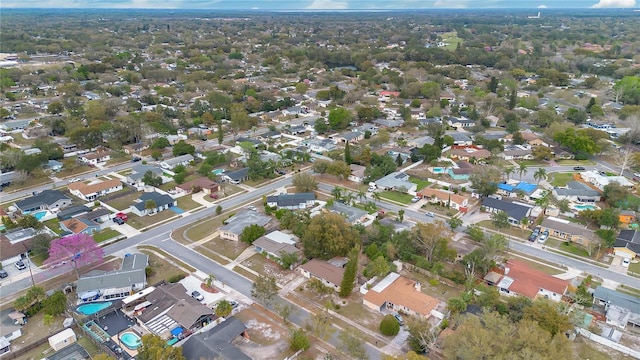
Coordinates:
[396,196]
[144,221]
[560,179]
[105,234]
[451,39]
[421,183]
[124,202]
[162,269]
[186,203]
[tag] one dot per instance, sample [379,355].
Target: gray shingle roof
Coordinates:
[238,222]
[350,212]
[216,343]
[160,200]
[619,299]
[515,211]
[46,197]
[291,199]
[239,174]
[629,239]
[131,272]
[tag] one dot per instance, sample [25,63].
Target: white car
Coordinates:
[252,208]
[415,199]
[542,238]
[74,180]
[625,262]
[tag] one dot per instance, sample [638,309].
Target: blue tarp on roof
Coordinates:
[505,187]
[526,187]
[177,331]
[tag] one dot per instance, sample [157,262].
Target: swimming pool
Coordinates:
[585,207]
[438,170]
[90,309]
[130,340]
[39,215]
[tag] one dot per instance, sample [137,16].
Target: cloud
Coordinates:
[615,4]
[451,4]
[542,6]
[328,5]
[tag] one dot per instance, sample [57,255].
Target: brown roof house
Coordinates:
[330,272]
[446,198]
[397,293]
[467,153]
[90,192]
[276,243]
[567,230]
[204,184]
[521,279]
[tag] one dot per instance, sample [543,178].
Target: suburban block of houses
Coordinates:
[518,278]
[567,230]
[396,293]
[330,272]
[233,226]
[292,201]
[109,285]
[159,202]
[92,191]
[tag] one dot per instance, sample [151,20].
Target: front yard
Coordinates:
[160,268]
[560,179]
[186,203]
[105,234]
[396,196]
[228,248]
[125,201]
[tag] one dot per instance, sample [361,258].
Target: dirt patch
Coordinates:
[208,289]
[262,329]
[263,265]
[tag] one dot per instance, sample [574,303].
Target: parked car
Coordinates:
[430,214]
[371,189]
[579,168]
[280,172]
[543,237]
[118,220]
[122,216]
[213,196]
[625,262]
[3,273]
[20,265]
[399,319]
[234,182]
[74,180]
[415,199]
[135,159]
[252,208]
[533,237]
[196,295]
[234,304]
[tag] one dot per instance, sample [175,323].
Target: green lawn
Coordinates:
[186,203]
[105,234]
[452,40]
[634,267]
[560,179]
[144,221]
[575,162]
[396,196]
[573,249]
[54,225]
[421,183]
[124,202]
[531,162]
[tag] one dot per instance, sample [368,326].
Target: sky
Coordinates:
[319,4]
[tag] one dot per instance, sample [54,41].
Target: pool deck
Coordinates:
[132,353]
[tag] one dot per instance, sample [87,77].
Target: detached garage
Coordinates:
[62,339]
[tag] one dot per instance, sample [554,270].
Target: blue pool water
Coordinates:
[39,215]
[439,170]
[89,309]
[130,340]
[585,207]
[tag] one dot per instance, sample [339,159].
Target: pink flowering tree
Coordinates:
[79,249]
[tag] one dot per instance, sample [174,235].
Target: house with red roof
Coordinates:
[519,279]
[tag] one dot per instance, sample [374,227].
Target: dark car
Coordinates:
[579,168]
[533,237]
[280,172]
[20,265]
[136,159]
[3,273]
[118,220]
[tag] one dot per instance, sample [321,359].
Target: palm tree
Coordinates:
[361,195]
[210,280]
[508,171]
[522,170]
[337,193]
[540,174]
[544,201]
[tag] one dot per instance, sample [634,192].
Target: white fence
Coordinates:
[606,342]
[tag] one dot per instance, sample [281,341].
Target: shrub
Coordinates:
[434,282]
[176,278]
[389,326]
[299,341]
[148,271]
[219,210]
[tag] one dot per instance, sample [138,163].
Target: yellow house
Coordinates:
[627,217]
[627,244]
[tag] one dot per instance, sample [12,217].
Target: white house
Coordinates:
[95,158]
[357,173]
[170,164]
[62,339]
[600,181]
[90,192]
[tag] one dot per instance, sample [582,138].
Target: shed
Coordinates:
[62,339]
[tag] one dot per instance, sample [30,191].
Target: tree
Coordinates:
[285,310]
[223,309]
[522,169]
[150,205]
[347,153]
[29,221]
[541,153]
[328,235]
[304,182]
[210,279]
[339,118]
[493,85]
[400,215]
[34,295]
[150,179]
[377,267]
[427,236]
[608,236]
[500,219]
[183,148]
[549,315]
[350,274]
[55,304]
[218,209]
[540,174]
[485,179]
[55,107]
[614,193]
[103,356]
[264,288]
[351,345]
[251,233]
[153,347]
[454,222]
[494,336]
[298,340]
[40,245]
[80,249]
[422,335]
[389,326]
[456,305]
[160,143]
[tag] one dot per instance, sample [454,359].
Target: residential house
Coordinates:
[170,164]
[445,197]
[494,135]
[519,279]
[151,203]
[349,137]
[372,129]
[52,200]
[521,187]
[137,173]
[10,329]
[79,225]
[460,123]
[627,244]
[32,151]
[357,173]
[72,211]
[516,152]
[233,226]
[15,245]
[296,129]
[319,145]
[197,131]
[421,141]
[276,243]
[270,135]
[100,156]
[237,176]
[577,191]
[404,155]
[627,216]
[54,165]
[117,284]
[256,143]
[461,171]
[329,272]
[620,309]
[567,230]
[92,191]
[136,148]
[171,311]
[396,293]
[515,211]
[467,153]
[292,201]
[530,138]
[397,181]
[295,110]
[14,125]
[203,183]
[388,123]
[217,342]
[600,181]
[352,214]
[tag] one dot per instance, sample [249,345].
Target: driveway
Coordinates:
[616,265]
